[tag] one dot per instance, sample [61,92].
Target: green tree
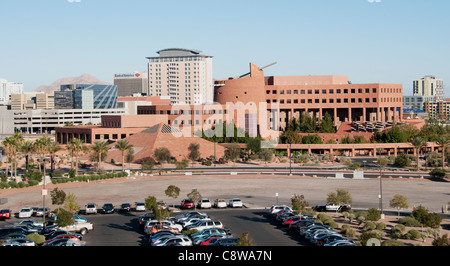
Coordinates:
[195,196]
[64,217]
[27,149]
[399,202]
[194,151]
[233,152]
[70,203]
[75,147]
[402,160]
[162,154]
[123,146]
[299,204]
[266,155]
[341,196]
[58,196]
[245,240]
[42,146]
[254,145]
[326,124]
[173,192]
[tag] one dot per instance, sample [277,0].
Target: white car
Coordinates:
[139,206]
[204,203]
[26,212]
[91,208]
[176,240]
[41,212]
[235,203]
[201,225]
[277,208]
[220,203]
[20,242]
[193,221]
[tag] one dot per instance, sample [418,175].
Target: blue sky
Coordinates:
[391,41]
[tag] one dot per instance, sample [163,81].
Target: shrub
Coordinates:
[364,237]
[38,239]
[347,231]
[381,226]
[441,241]
[373,214]
[369,226]
[402,160]
[409,221]
[392,243]
[412,234]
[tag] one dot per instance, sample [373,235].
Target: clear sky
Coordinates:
[390,41]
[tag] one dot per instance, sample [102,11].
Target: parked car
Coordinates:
[5,214]
[220,203]
[108,208]
[178,240]
[26,212]
[204,225]
[41,212]
[209,231]
[20,242]
[64,242]
[56,233]
[30,221]
[330,238]
[203,241]
[139,206]
[186,215]
[235,203]
[91,208]
[160,236]
[187,204]
[333,207]
[125,207]
[68,236]
[229,241]
[148,228]
[194,220]
[277,208]
[340,243]
[204,203]
[144,218]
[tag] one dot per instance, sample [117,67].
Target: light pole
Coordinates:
[290,159]
[380,196]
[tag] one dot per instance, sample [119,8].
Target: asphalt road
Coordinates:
[123,229]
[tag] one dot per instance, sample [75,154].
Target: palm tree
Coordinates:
[443,141]
[418,143]
[123,145]
[76,146]
[27,149]
[9,146]
[101,148]
[41,146]
[53,148]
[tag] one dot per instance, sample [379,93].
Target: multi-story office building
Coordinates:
[7,88]
[184,75]
[416,103]
[131,83]
[31,100]
[86,96]
[430,86]
[316,95]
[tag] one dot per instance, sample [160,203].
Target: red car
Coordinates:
[72,237]
[290,220]
[5,214]
[187,204]
[211,239]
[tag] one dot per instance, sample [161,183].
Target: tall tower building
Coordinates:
[182,74]
[7,88]
[429,86]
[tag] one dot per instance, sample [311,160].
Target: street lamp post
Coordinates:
[290,159]
[380,196]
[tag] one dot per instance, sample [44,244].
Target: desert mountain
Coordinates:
[83,79]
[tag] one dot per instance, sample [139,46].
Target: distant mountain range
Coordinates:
[83,79]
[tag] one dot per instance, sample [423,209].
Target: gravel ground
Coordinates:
[256,191]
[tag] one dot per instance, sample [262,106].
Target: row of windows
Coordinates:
[338,100]
[333,91]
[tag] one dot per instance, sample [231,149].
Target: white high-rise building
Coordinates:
[183,75]
[429,86]
[7,88]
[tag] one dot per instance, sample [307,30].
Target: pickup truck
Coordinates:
[81,228]
[333,207]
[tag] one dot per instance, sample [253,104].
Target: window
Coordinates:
[331,91]
[324,100]
[345,100]
[374,100]
[345,90]
[367,90]
[338,100]
[282,92]
[338,91]
[316,91]
[302,92]
[353,90]
[331,100]
[324,91]
[309,100]
[374,90]
[316,100]
[309,91]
